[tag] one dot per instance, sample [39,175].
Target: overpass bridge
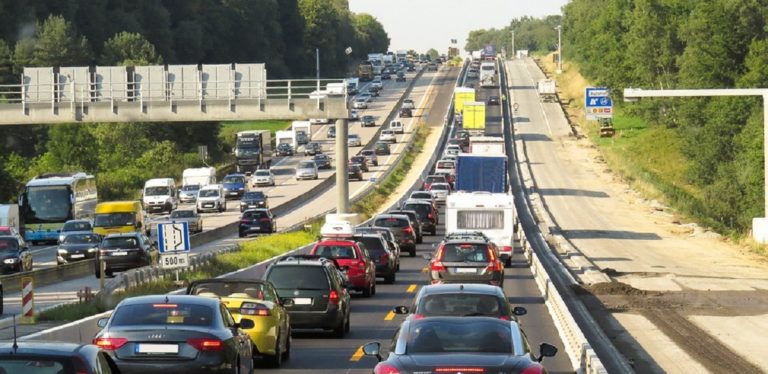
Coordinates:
[163,93]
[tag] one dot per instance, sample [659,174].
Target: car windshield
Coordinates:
[390,222]
[381,146]
[367,153]
[182,214]
[358,159]
[191,187]
[321,157]
[113,219]
[460,304]
[9,244]
[233,179]
[262,173]
[435,179]
[430,336]
[388,132]
[465,253]
[335,251]
[209,193]
[374,245]
[76,226]
[367,118]
[162,314]
[306,165]
[254,195]
[234,289]
[298,277]
[81,239]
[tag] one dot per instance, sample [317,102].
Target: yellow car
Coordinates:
[257,300]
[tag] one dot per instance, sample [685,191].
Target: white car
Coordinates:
[388,136]
[306,169]
[263,177]
[452,149]
[376,82]
[365,96]
[360,103]
[440,191]
[397,127]
[353,140]
[353,116]
[409,104]
[445,166]
[211,198]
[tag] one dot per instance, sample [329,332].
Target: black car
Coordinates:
[415,222]
[322,161]
[367,121]
[75,225]
[176,334]
[462,300]
[33,357]
[331,133]
[125,251]
[394,248]
[77,246]
[386,261]
[255,221]
[312,148]
[426,212]
[14,254]
[284,149]
[381,148]
[400,77]
[493,100]
[400,226]
[360,160]
[316,288]
[302,138]
[254,199]
[448,344]
[354,172]
[374,91]
[411,68]
[406,113]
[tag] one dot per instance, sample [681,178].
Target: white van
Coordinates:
[211,198]
[160,195]
[397,127]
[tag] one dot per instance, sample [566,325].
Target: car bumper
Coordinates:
[74,257]
[326,319]
[495,279]
[245,230]
[119,263]
[10,268]
[306,176]
[185,199]
[251,206]
[203,364]
[234,194]
[383,270]
[208,208]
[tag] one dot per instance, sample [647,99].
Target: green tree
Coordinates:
[129,49]
[59,45]
[23,54]
[72,147]
[6,64]
[433,53]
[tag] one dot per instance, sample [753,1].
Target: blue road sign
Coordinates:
[173,237]
[598,103]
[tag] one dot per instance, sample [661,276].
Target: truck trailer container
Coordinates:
[481,173]
[474,116]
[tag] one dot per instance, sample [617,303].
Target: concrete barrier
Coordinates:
[50,275]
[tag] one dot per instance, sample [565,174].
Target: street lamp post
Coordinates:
[559,29]
[759,224]
[514,54]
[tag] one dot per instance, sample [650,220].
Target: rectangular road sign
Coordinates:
[598,103]
[174,260]
[173,237]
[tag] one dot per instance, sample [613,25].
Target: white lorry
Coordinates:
[286,136]
[547,90]
[160,195]
[353,86]
[488,74]
[9,216]
[491,213]
[377,60]
[486,145]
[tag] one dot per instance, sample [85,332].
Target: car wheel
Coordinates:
[419,240]
[287,351]
[434,232]
[508,262]
[373,282]
[338,331]
[240,234]
[397,267]
[368,291]
[413,252]
[277,360]
[390,279]
[347,325]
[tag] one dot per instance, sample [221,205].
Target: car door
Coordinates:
[240,340]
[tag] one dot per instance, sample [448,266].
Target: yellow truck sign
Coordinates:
[462,95]
[474,115]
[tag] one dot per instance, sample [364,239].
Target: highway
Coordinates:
[287,188]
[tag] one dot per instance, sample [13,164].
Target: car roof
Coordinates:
[417,201]
[449,288]
[46,348]
[256,210]
[170,299]
[387,215]
[122,235]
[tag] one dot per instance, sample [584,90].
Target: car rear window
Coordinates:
[435,179]
[335,251]
[36,364]
[445,165]
[439,187]
[430,336]
[390,222]
[307,165]
[421,209]
[298,277]
[182,214]
[374,245]
[421,195]
[128,242]
[460,304]
[163,314]
[465,252]
[255,215]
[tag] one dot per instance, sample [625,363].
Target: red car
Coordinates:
[359,268]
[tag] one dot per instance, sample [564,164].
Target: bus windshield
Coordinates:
[48,204]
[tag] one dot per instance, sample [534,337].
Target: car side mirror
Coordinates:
[546,350]
[287,302]
[519,311]
[245,324]
[102,322]
[373,349]
[400,309]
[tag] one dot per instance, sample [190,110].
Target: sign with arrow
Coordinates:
[173,237]
[598,103]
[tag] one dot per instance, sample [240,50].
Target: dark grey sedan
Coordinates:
[400,226]
[466,261]
[42,357]
[176,333]
[77,246]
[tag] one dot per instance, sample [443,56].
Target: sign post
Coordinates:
[173,239]
[598,103]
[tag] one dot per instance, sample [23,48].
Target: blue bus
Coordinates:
[49,200]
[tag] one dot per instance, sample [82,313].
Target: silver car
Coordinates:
[306,170]
[388,136]
[353,140]
[440,191]
[263,177]
[188,193]
[194,221]
[360,103]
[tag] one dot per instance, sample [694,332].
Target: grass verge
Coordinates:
[251,252]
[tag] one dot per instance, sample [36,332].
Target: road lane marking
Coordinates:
[411,288]
[390,316]
[358,354]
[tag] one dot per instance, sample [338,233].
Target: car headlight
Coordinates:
[10,260]
[226,189]
[62,251]
[243,203]
[93,249]
[241,188]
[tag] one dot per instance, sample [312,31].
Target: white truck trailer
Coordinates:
[491,213]
[547,90]
[486,145]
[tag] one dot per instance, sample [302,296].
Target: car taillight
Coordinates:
[430,216]
[534,368]
[437,266]
[253,309]
[382,368]
[264,220]
[504,318]
[418,316]
[206,344]
[494,266]
[506,248]
[245,221]
[384,258]
[408,230]
[333,297]
[109,344]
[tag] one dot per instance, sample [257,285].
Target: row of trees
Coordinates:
[282,33]
[667,44]
[533,34]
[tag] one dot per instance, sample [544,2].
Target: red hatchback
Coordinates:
[353,259]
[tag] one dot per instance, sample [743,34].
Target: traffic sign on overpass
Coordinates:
[598,103]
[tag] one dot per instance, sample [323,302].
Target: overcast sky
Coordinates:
[424,24]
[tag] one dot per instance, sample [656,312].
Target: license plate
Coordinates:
[120,253]
[207,205]
[77,256]
[466,270]
[157,348]
[233,193]
[302,301]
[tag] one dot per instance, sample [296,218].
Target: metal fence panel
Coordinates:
[74,84]
[149,82]
[216,81]
[111,82]
[250,81]
[183,82]
[38,84]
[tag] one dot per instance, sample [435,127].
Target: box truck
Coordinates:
[481,173]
